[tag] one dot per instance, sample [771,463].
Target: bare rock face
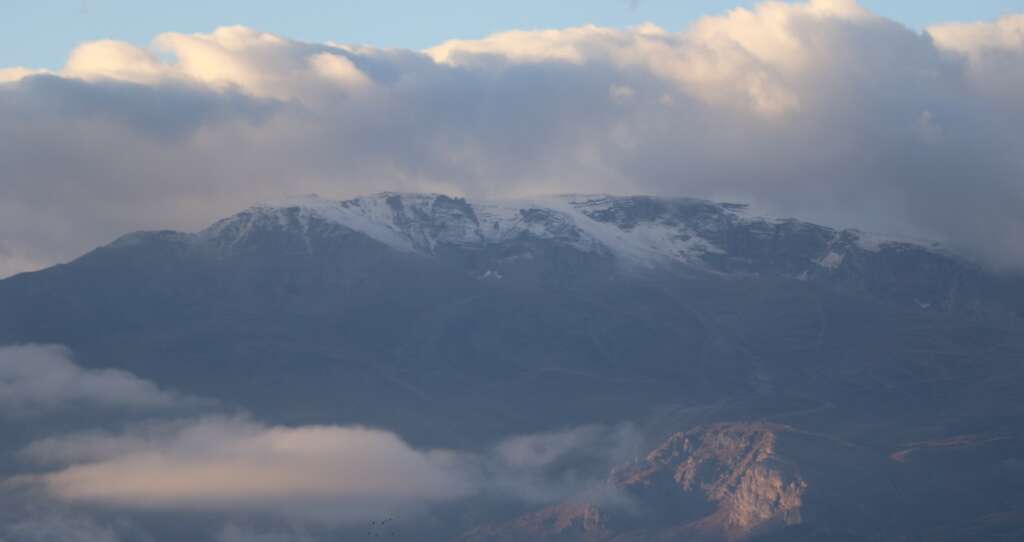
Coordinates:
[733,468]
[723,482]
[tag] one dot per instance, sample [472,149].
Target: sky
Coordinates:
[41,32]
[895,117]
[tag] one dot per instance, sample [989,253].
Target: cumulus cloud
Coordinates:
[41,378]
[1004,34]
[260,63]
[818,109]
[749,60]
[11,75]
[326,473]
[994,51]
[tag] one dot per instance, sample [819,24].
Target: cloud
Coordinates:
[559,465]
[228,463]
[27,516]
[236,533]
[51,528]
[259,63]
[11,75]
[40,378]
[746,59]
[820,110]
[1004,34]
[13,261]
[994,52]
[327,473]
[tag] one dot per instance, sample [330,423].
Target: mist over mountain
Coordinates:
[576,367]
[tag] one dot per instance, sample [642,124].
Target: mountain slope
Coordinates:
[443,302]
[456,323]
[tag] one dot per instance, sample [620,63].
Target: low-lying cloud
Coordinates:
[558,465]
[35,379]
[229,463]
[819,109]
[57,527]
[324,473]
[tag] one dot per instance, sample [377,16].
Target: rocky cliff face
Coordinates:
[734,468]
[723,482]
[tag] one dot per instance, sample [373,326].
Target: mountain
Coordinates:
[628,234]
[810,366]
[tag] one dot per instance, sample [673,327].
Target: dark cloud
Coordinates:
[819,110]
[166,114]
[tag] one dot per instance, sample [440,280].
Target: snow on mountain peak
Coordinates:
[637,230]
[423,222]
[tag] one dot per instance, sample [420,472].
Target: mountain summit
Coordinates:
[637,231]
[570,236]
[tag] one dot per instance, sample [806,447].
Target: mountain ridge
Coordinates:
[496,240]
[385,214]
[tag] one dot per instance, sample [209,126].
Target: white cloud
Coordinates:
[114,60]
[258,63]
[994,52]
[226,463]
[40,378]
[821,110]
[1004,34]
[326,473]
[15,74]
[747,59]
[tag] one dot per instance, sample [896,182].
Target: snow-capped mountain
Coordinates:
[638,232]
[457,322]
[573,235]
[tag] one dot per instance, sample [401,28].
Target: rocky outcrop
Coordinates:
[723,482]
[733,466]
